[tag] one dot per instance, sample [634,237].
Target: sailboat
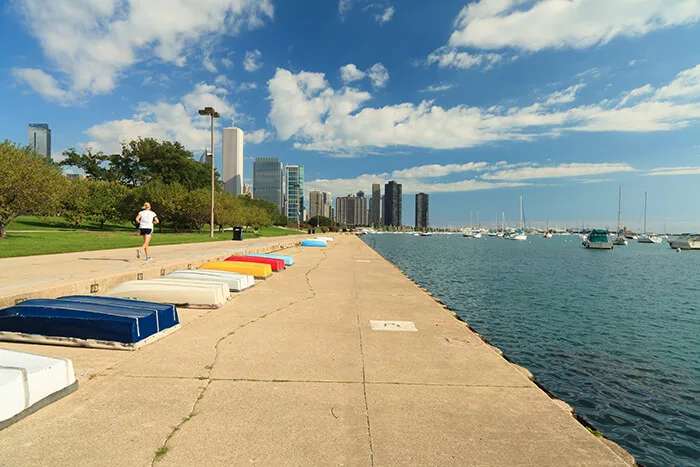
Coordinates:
[520,234]
[620,238]
[547,233]
[647,238]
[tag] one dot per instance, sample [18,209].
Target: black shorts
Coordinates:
[146,231]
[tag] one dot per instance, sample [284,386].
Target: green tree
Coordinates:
[105,199]
[257,217]
[76,201]
[94,165]
[29,184]
[169,201]
[198,208]
[228,210]
[318,221]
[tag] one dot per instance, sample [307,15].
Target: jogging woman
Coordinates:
[146,220]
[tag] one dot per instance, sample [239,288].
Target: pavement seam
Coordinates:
[211,366]
[364,377]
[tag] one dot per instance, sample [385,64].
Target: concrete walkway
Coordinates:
[69,273]
[290,373]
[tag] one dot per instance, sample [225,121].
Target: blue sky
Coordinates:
[475,102]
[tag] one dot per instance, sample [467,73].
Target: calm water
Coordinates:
[615,333]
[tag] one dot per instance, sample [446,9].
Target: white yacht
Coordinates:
[620,238]
[647,238]
[598,240]
[685,242]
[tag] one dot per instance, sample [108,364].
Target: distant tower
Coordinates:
[233,160]
[392,204]
[40,138]
[268,181]
[376,204]
[316,204]
[422,211]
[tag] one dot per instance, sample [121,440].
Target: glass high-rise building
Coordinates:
[376,203]
[268,181]
[422,211]
[392,204]
[40,138]
[295,192]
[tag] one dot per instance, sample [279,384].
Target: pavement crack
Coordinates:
[364,376]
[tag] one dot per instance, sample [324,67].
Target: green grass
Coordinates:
[59,223]
[45,241]
[161,451]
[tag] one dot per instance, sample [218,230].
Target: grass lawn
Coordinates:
[59,223]
[49,241]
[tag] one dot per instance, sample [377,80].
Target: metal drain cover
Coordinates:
[392,326]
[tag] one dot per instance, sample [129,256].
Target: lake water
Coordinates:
[616,334]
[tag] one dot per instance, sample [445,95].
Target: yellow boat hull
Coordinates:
[252,269]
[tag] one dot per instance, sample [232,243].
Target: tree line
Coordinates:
[163,173]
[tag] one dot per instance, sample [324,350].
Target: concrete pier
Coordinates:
[292,372]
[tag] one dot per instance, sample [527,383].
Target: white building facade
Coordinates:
[233,160]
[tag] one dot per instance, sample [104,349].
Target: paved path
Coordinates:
[65,273]
[290,373]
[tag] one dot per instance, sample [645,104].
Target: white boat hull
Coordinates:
[236,282]
[184,292]
[28,382]
[685,243]
[648,239]
[598,245]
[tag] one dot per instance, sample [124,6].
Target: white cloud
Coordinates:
[166,121]
[449,57]
[229,84]
[208,63]
[344,6]
[43,84]
[350,73]
[557,171]
[437,170]
[674,171]
[252,62]
[566,96]
[247,86]
[227,62]
[257,136]
[93,42]
[634,93]
[438,88]
[556,24]
[306,108]
[223,80]
[385,16]
[379,75]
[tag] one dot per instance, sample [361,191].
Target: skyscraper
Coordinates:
[268,181]
[376,209]
[422,211]
[351,210]
[361,217]
[233,160]
[40,138]
[316,204]
[295,192]
[327,204]
[392,204]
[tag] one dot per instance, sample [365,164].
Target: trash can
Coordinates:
[238,233]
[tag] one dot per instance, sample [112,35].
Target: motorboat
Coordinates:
[276,264]
[236,282]
[520,235]
[259,271]
[598,240]
[29,382]
[184,292]
[685,242]
[476,234]
[425,234]
[88,321]
[314,242]
[619,240]
[288,260]
[547,235]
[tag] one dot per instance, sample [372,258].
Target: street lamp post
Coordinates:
[214,114]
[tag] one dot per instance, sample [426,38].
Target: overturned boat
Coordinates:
[314,243]
[325,239]
[288,260]
[88,321]
[275,264]
[185,292]
[236,282]
[29,382]
[259,271]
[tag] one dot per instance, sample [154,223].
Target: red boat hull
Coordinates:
[275,264]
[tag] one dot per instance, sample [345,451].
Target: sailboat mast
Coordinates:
[521,212]
[645,213]
[619,207]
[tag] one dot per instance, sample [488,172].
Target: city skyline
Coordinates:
[419,96]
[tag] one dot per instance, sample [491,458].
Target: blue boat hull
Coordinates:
[288,260]
[88,317]
[313,243]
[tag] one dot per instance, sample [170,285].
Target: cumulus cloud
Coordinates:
[350,73]
[379,75]
[450,57]
[304,107]
[252,62]
[93,42]
[166,121]
[385,16]
[557,24]
[257,136]
[43,84]
[438,88]
[208,63]
[230,85]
